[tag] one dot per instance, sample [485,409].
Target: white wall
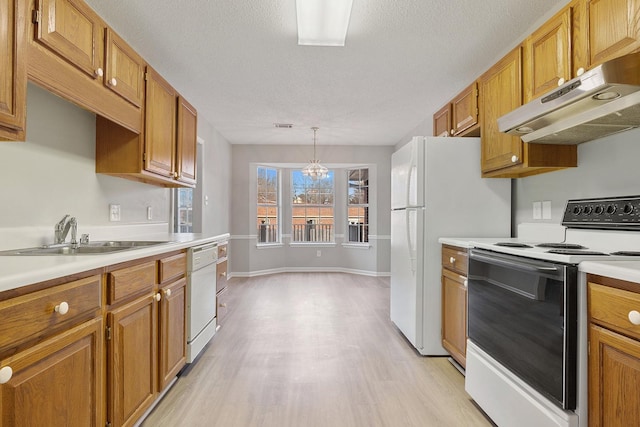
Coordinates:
[52,173]
[606,167]
[247,259]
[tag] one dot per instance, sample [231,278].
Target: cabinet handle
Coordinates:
[466,283]
[62,308]
[452,260]
[98,73]
[5,374]
[579,72]
[514,158]
[167,292]
[223,274]
[223,304]
[158,296]
[634,317]
[113,82]
[175,174]
[452,131]
[560,81]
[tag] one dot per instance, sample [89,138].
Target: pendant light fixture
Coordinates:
[314,169]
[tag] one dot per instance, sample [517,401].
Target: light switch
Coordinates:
[114,213]
[537,210]
[546,209]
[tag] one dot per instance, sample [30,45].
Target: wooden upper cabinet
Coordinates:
[160,125]
[442,121]
[73,31]
[501,93]
[460,116]
[186,142]
[13,75]
[464,108]
[547,56]
[124,69]
[614,29]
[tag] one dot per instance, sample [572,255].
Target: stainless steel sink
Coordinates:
[92,248]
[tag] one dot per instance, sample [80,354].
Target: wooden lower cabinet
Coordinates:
[131,360]
[614,353]
[58,382]
[172,331]
[454,302]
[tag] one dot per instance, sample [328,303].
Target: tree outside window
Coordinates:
[268,211]
[312,208]
[358,205]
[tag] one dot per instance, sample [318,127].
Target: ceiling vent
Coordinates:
[283,125]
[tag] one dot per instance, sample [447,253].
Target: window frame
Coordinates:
[367,206]
[306,206]
[278,206]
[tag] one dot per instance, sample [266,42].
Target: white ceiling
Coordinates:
[238,62]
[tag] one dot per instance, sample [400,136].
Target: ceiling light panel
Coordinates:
[323,22]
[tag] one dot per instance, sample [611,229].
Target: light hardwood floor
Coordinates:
[314,349]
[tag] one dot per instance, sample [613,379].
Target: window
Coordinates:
[312,208]
[268,208]
[358,205]
[183,210]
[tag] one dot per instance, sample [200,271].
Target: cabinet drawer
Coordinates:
[126,282]
[455,259]
[222,251]
[221,276]
[33,316]
[172,267]
[611,307]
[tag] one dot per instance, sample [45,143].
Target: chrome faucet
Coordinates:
[62,229]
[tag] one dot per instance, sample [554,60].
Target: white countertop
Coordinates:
[622,270]
[470,242]
[17,271]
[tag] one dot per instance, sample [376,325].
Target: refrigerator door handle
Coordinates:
[411,232]
[412,179]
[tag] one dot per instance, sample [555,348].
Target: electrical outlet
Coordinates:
[537,210]
[114,213]
[318,253]
[149,213]
[546,209]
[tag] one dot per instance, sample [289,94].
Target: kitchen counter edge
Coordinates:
[622,270]
[19,271]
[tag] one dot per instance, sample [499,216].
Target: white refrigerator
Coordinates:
[436,191]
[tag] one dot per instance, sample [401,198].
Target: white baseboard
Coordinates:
[308,270]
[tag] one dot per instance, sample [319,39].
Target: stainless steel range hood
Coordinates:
[600,102]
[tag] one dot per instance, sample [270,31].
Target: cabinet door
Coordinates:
[132,360]
[614,375]
[160,125]
[501,93]
[614,29]
[547,56]
[73,31]
[124,69]
[464,108]
[442,121]
[13,74]
[172,331]
[187,140]
[58,382]
[454,315]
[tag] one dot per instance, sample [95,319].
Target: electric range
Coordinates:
[527,317]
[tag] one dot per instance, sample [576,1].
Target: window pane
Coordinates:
[358,205]
[267,205]
[312,210]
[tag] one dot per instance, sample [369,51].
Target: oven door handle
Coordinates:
[519,265]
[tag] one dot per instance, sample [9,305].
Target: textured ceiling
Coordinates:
[238,62]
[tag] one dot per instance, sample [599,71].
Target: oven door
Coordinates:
[523,313]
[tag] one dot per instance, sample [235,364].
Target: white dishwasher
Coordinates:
[201,286]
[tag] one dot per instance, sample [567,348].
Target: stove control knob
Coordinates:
[611,209]
[587,210]
[599,209]
[577,210]
[628,208]
[634,317]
